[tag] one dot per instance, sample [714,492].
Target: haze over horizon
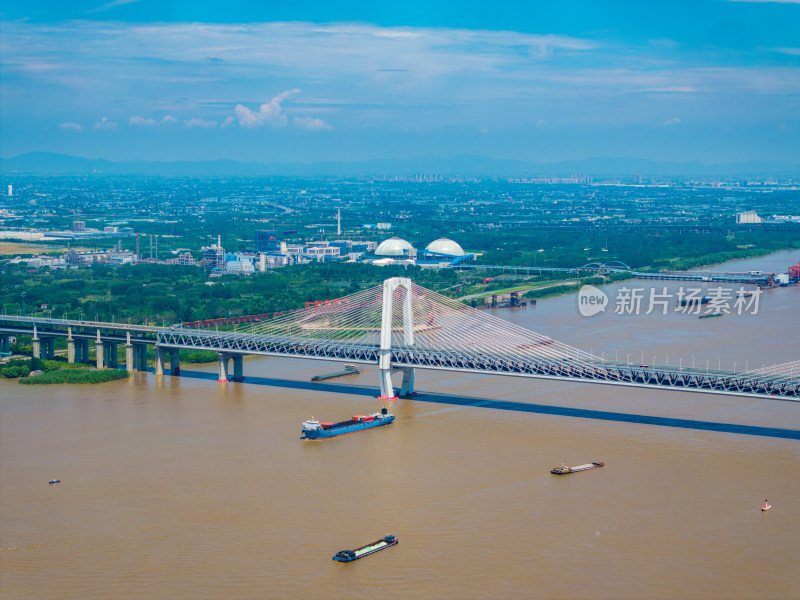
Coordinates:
[713,81]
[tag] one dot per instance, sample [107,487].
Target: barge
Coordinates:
[567,470]
[314,430]
[351,555]
[348,370]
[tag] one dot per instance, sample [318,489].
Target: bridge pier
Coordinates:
[48,348]
[161,354]
[36,344]
[5,346]
[407,387]
[99,352]
[81,350]
[110,355]
[238,368]
[129,360]
[174,361]
[223,367]
[70,346]
[139,357]
[387,389]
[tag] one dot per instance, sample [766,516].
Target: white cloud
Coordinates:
[69,125]
[199,123]
[670,122]
[268,113]
[227,121]
[110,5]
[312,124]
[104,123]
[790,51]
[142,122]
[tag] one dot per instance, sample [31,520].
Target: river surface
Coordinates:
[189,488]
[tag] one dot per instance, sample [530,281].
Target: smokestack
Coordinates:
[338,221]
[219,241]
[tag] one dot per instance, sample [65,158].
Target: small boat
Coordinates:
[766,506]
[314,430]
[54,481]
[563,470]
[710,315]
[351,555]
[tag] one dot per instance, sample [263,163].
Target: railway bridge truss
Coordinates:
[400,327]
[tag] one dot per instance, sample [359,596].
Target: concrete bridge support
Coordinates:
[174,361]
[238,368]
[5,345]
[223,366]
[110,355]
[161,354]
[81,350]
[135,355]
[70,346]
[140,357]
[99,352]
[49,347]
[407,387]
[36,344]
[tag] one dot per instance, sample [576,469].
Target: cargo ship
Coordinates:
[710,315]
[351,555]
[694,300]
[567,470]
[314,430]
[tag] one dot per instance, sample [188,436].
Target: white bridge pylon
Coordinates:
[390,286]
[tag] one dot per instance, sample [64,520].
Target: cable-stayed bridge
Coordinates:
[400,327]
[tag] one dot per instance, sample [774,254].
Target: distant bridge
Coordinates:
[399,327]
[615,266]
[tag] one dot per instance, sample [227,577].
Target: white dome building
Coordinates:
[445,246]
[394,246]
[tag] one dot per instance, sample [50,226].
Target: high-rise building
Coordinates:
[10,190]
[267,241]
[78,226]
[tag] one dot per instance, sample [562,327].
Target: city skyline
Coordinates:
[712,81]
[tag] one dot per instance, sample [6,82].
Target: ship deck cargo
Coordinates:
[567,470]
[351,555]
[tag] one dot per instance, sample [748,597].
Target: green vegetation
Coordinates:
[55,371]
[22,367]
[197,356]
[169,294]
[76,376]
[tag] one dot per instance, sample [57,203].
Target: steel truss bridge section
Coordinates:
[687,379]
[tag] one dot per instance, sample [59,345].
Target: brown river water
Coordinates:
[188,488]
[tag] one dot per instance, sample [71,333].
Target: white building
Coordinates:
[744,218]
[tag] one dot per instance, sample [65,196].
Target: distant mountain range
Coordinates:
[463,165]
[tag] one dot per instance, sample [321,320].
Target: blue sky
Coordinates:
[714,81]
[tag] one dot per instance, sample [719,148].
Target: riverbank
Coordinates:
[75,376]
